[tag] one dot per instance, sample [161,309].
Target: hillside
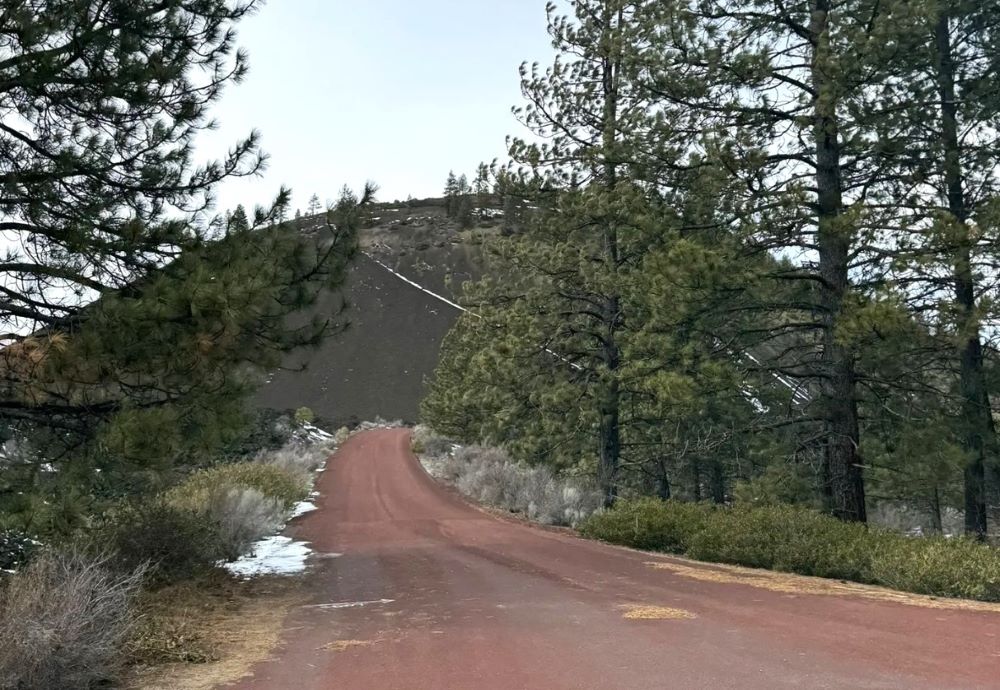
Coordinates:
[379,365]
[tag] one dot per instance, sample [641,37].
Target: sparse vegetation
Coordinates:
[489,476]
[64,620]
[177,542]
[800,540]
[66,617]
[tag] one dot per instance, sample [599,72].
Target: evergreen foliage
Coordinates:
[759,263]
[136,324]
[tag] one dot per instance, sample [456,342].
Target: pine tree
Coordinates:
[583,104]
[137,327]
[238,221]
[939,130]
[314,206]
[451,193]
[781,85]
[481,188]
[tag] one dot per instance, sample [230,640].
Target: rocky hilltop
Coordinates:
[379,365]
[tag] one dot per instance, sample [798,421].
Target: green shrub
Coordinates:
[304,416]
[799,540]
[648,523]
[783,538]
[270,480]
[175,542]
[938,566]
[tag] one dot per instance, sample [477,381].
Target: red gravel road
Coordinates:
[430,592]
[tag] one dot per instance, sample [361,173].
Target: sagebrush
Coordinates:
[491,477]
[64,619]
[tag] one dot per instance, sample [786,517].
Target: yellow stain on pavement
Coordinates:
[644,612]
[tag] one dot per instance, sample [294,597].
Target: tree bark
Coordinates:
[978,430]
[717,481]
[936,523]
[610,395]
[834,236]
[663,489]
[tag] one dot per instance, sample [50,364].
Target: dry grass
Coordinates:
[206,636]
[343,645]
[63,621]
[644,612]
[800,584]
[490,477]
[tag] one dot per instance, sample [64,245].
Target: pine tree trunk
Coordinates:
[717,482]
[663,489]
[838,388]
[978,431]
[610,439]
[610,396]
[696,480]
[936,523]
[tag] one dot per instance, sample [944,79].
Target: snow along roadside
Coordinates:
[278,554]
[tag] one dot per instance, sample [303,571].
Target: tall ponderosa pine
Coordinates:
[590,342]
[132,319]
[780,83]
[941,116]
[587,107]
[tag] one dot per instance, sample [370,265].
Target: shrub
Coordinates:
[649,523]
[243,516]
[269,479]
[426,442]
[490,476]
[299,460]
[341,436]
[784,538]
[175,542]
[800,540]
[304,415]
[63,621]
[939,566]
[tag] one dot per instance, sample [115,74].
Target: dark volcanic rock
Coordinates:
[378,366]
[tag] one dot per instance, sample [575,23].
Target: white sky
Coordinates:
[396,91]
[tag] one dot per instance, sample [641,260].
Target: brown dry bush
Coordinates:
[64,620]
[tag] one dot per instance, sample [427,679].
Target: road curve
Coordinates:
[429,592]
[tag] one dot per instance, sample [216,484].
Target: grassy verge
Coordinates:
[201,634]
[142,585]
[802,541]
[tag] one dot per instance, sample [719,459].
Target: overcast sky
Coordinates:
[396,91]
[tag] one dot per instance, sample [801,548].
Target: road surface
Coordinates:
[429,592]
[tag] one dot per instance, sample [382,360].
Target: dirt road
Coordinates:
[429,592]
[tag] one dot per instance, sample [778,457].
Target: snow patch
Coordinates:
[315,434]
[276,555]
[302,508]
